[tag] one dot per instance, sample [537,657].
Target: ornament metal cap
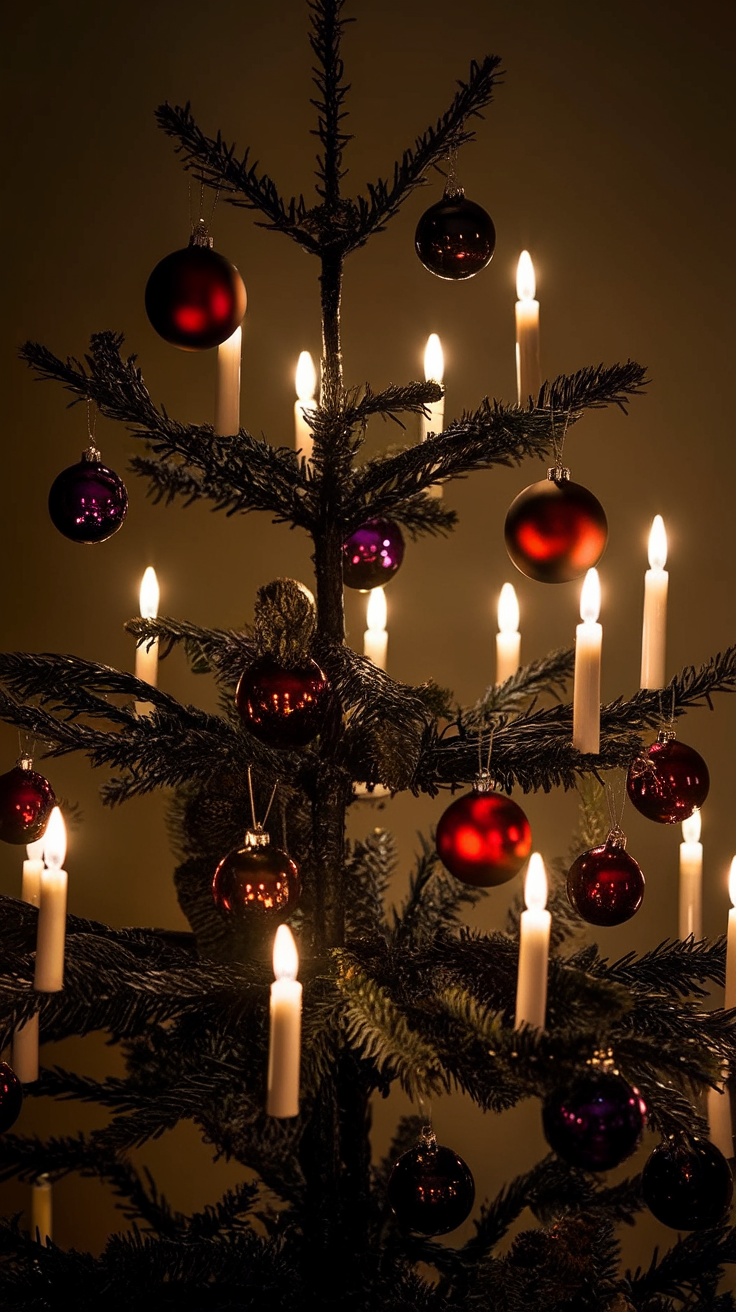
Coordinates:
[616,838]
[91,455]
[666,735]
[24,763]
[200,236]
[558,474]
[256,838]
[484,782]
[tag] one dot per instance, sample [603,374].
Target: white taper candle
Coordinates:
[146,656]
[41,1210]
[528,369]
[51,936]
[434,372]
[691,878]
[654,627]
[720,1120]
[25,1039]
[535,925]
[586,730]
[375,638]
[284,1051]
[508,638]
[227,391]
[306,386]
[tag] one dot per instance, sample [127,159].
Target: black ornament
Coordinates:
[687,1184]
[455,238]
[195,298]
[87,501]
[431,1189]
[257,881]
[595,1124]
[26,802]
[11,1096]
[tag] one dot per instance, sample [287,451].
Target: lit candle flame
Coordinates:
[526,283]
[285,955]
[590,597]
[691,827]
[35,850]
[535,884]
[376,614]
[434,360]
[149,594]
[732,882]
[306,378]
[54,840]
[508,610]
[657,544]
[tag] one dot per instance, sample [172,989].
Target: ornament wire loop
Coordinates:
[256,825]
[616,795]
[452,190]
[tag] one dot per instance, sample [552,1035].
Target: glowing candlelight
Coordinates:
[375,638]
[528,370]
[25,1038]
[586,730]
[434,372]
[227,392]
[654,628]
[51,935]
[306,386]
[146,655]
[691,878]
[286,1020]
[41,1210]
[535,924]
[508,638]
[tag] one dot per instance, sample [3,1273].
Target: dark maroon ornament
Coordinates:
[26,802]
[11,1096]
[372,554]
[605,885]
[455,238]
[484,837]
[88,502]
[257,881]
[668,781]
[687,1184]
[195,298]
[597,1123]
[556,530]
[284,708]
[431,1189]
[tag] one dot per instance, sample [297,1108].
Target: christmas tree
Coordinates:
[405,998]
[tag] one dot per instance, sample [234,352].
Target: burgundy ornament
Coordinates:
[26,802]
[431,1189]
[284,708]
[195,298]
[687,1184]
[606,886]
[668,781]
[11,1096]
[88,502]
[372,554]
[455,238]
[597,1123]
[484,837]
[556,530]
[257,881]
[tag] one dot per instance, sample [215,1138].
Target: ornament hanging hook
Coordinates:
[615,794]
[256,825]
[558,443]
[667,731]
[92,452]
[453,191]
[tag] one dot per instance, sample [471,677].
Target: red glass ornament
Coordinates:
[372,554]
[11,1096]
[556,530]
[88,502]
[257,881]
[431,1189]
[455,238]
[686,1184]
[668,781]
[284,708]
[483,838]
[26,802]
[605,885]
[195,298]
[597,1123]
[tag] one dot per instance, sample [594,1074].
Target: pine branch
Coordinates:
[224,652]
[434,900]
[327,26]
[549,675]
[693,1266]
[369,866]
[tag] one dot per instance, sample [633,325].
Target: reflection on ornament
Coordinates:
[605,885]
[372,554]
[26,802]
[455,238]
[431,1189]
[87,501]
[555,530]
[257,880]
[284,708]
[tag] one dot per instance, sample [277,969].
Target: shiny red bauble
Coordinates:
[686,1184]
[256,881]
[555,530]
[668,781]
[455,238]
[88,502]
[605,885]
[431,1190]
[372,554]
[283,707]
[26,802]
[596,1123]
[483,839]
[195,298]
[11,1096]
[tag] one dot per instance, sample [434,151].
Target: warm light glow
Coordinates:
[376,615]
[535,884]
[306,377]
[149,595]
[508,610]
[657,544]
[526,284]
[434,360]
[732,882]
[54,840]
[35,850]
[590,597]
[691,827]
[285,955]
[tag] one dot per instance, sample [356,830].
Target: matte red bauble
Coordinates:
[668,781]
[555,530]
[26,802]
[597,1123]
[284,708]
[605,885]
[455,238]
[195,298]
[88,502]
[686,1184]
[431,1189]
[11,1096]
[257,881]
[484,838]
[372,554]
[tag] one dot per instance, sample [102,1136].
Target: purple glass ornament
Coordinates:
[595,1124]
[372,554]
[88,502]
[687,1184]
[431,1189]
[11,1096]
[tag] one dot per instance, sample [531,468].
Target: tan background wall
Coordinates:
[609,155]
